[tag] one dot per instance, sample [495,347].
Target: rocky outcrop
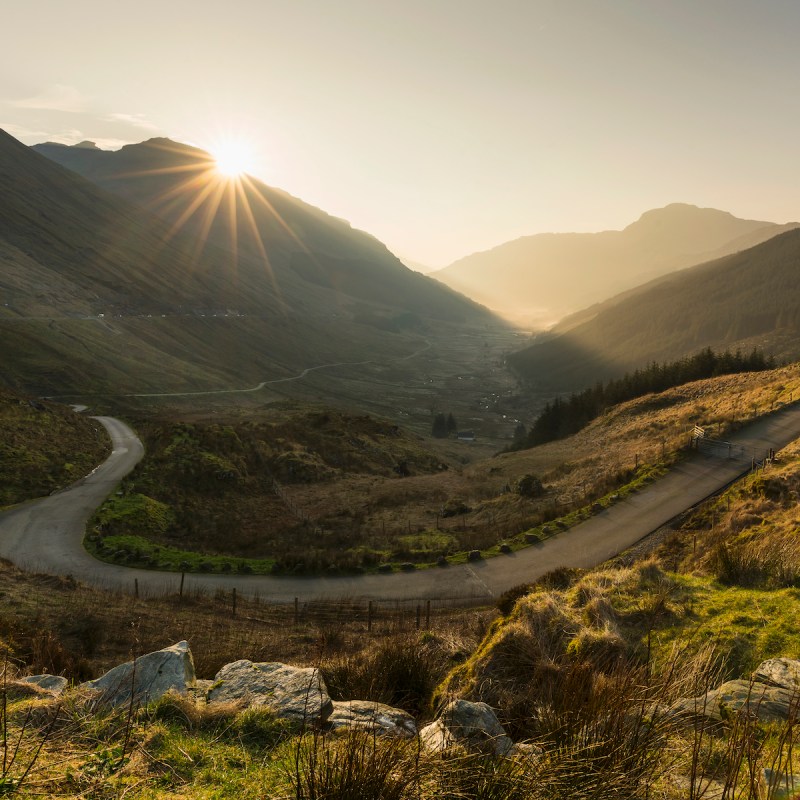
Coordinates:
[372,717]
[473,726]
[297,694]
[146,678]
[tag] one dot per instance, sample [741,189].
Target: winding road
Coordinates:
[46,535]
[298,377]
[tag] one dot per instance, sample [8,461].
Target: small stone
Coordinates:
[372,717]
[52,683]
[525,751]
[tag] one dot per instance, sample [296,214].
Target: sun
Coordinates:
[233,157]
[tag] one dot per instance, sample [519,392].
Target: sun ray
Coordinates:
[218,198]
[190,210]
[275,215]
[209,215]
[204,165]
[233,232]
[251,220]
[197,182]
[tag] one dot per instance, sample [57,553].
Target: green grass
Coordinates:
[745,625]
[137,551]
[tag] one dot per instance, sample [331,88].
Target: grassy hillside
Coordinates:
[44,447]
[741,301]
[224,490]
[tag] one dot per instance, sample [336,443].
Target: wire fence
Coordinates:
[411,613]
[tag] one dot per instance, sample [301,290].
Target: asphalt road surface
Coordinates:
[46,535]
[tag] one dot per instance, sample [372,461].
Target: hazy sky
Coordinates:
[440,126]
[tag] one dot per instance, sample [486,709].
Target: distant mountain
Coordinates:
[100,295]
[286,238]
[539,279]
[745,300]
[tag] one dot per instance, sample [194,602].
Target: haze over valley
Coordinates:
[538,280]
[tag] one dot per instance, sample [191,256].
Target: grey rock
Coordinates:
[763,702]
[779,672]
[52,683]
[297,694]
[146,678]
[766,703]
[703,708]
[473,726]
[372,717]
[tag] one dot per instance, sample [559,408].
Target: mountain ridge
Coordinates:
[743,300]
[289,236]
[102,295]
[544,277]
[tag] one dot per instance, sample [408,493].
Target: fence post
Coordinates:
[369,616]
[180,592]
[136,588]
[427,614]
[234,601]
[419,614]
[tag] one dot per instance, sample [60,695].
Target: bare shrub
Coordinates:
[356,766]
[400,671]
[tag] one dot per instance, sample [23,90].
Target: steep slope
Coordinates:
[743,300]
[100,295]
[539,279]
[282,236]
[68,248]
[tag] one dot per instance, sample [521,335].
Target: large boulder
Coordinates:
[297,694]
[473,726]
[783,672]
[146,678]
[372,717]
[758,700]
